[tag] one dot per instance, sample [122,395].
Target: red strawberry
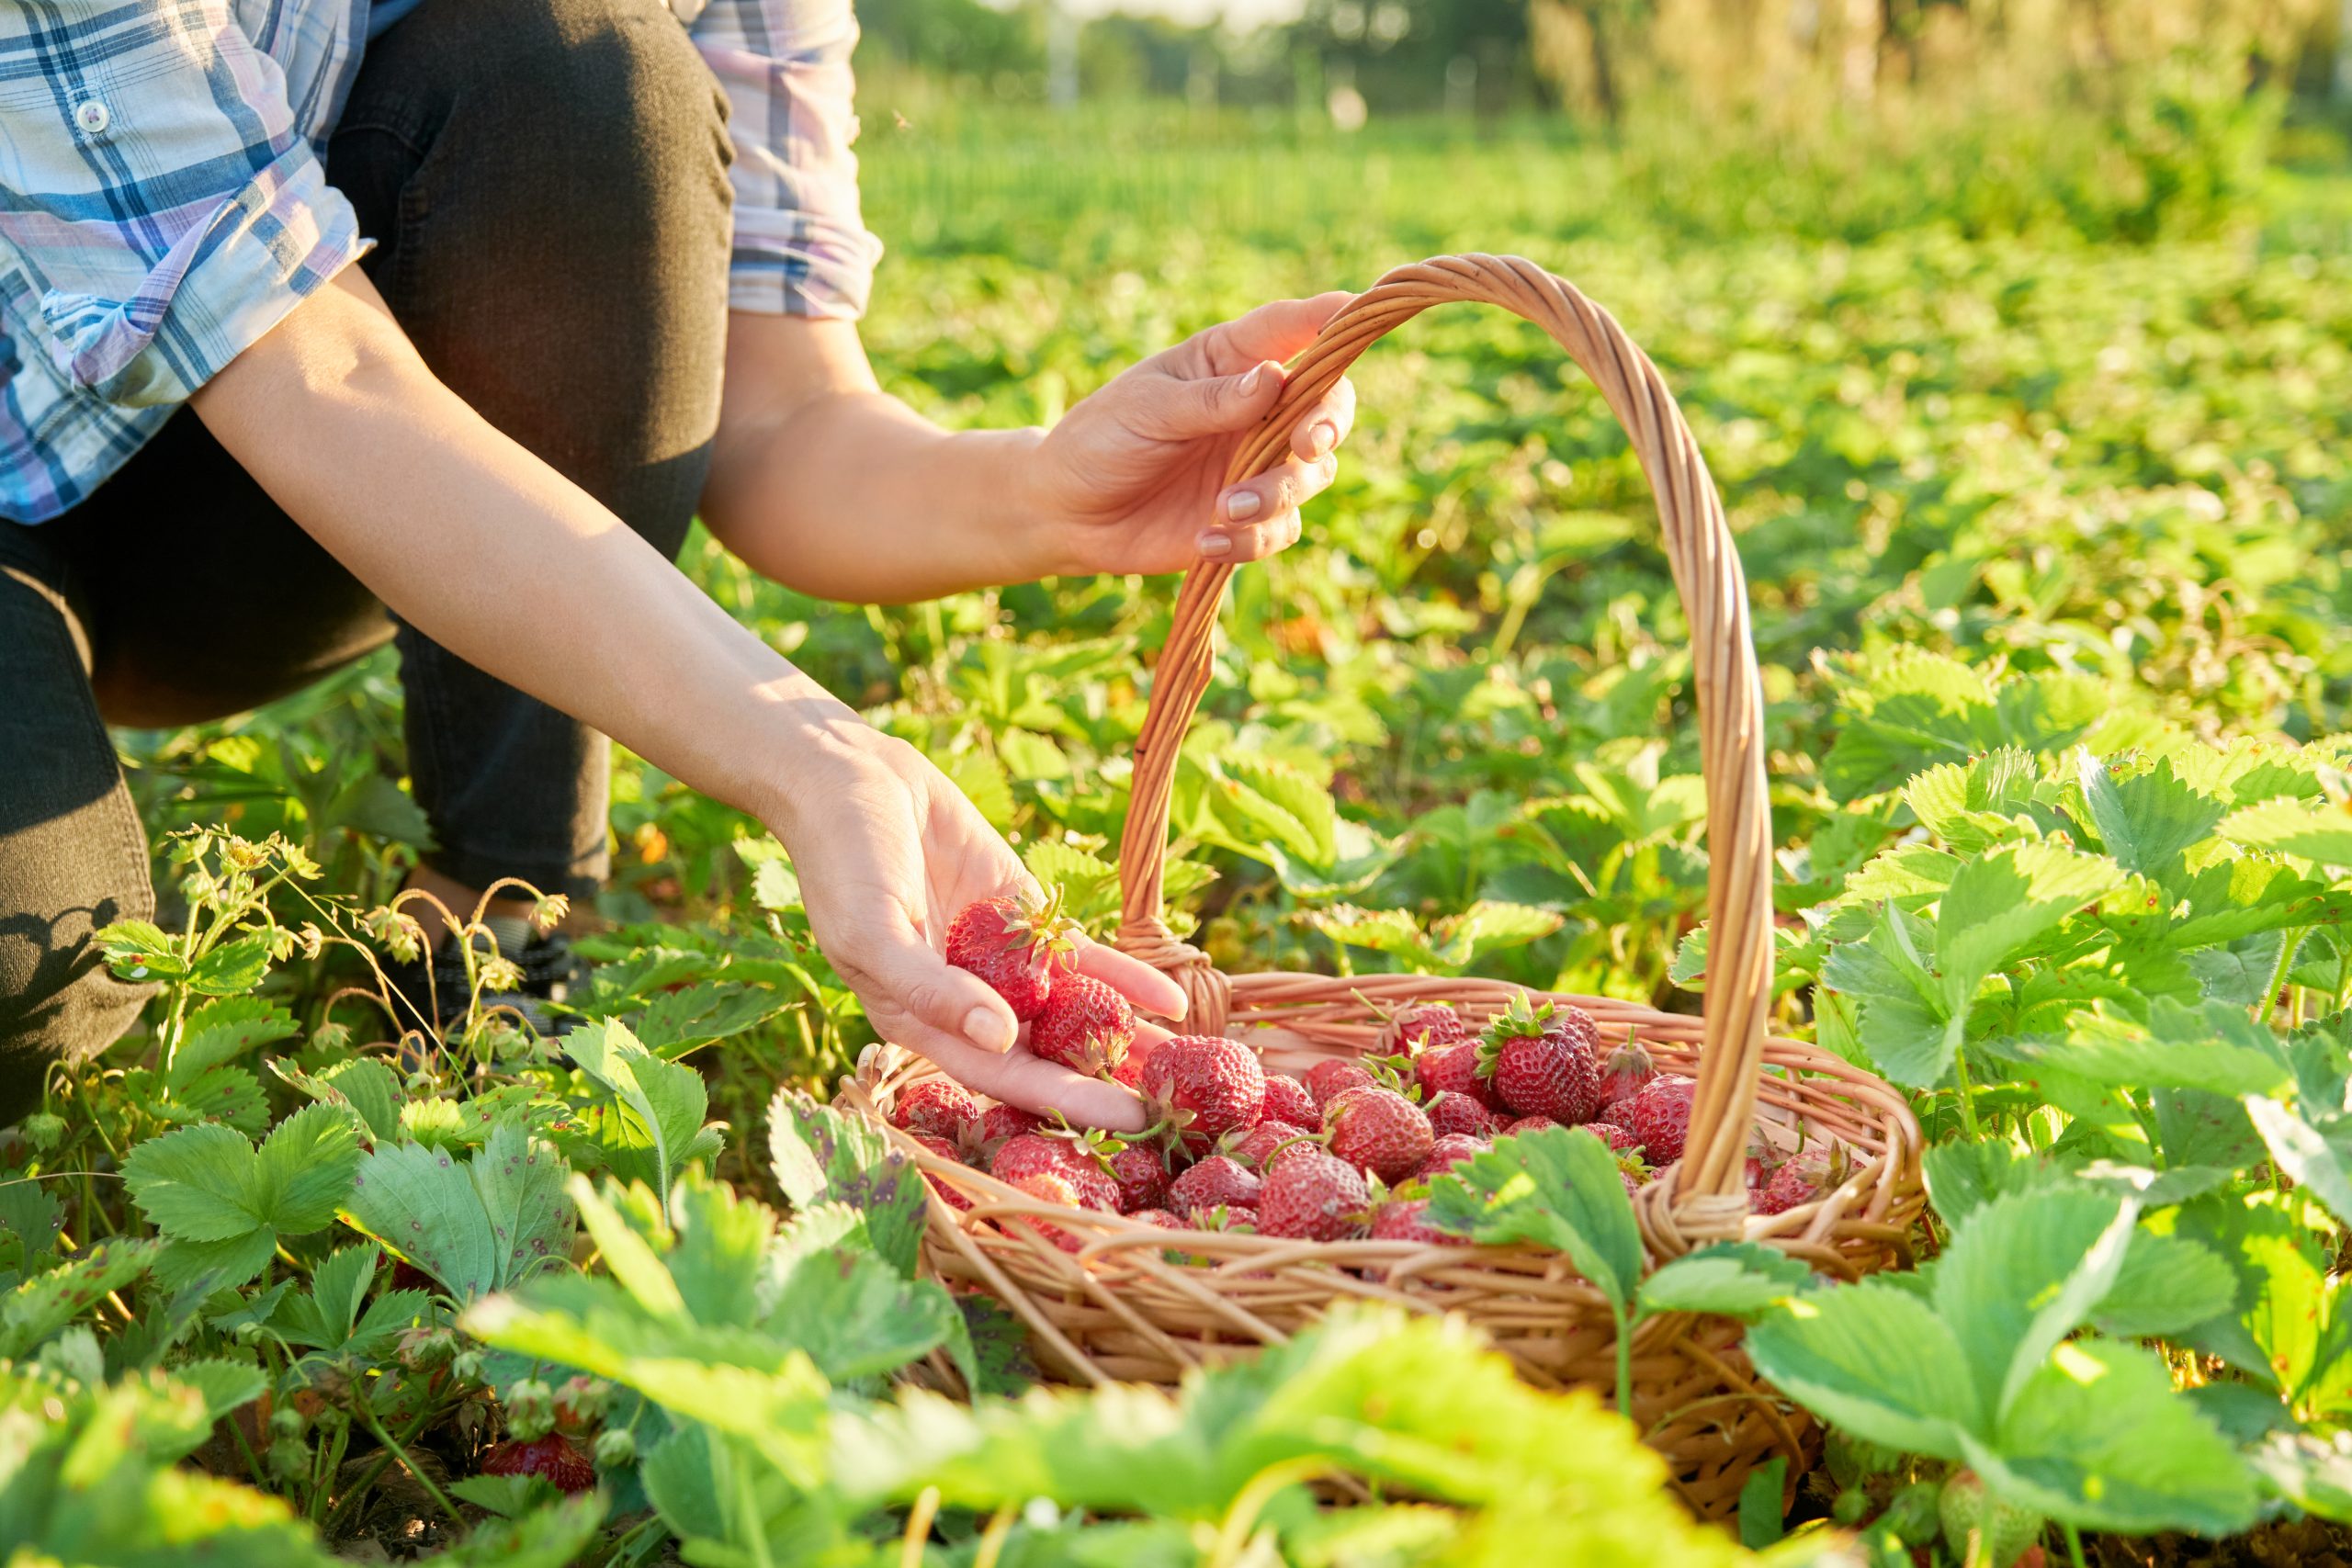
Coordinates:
[999,1122]
[1661,1118]
[1208,1084]
[1803,1180]
[1542,1061]
[1452,1068]
[1527,1124]
[1406,1219]
[1038,1154]
[1160,1217]
[1087,1026]
[1422,1027]
[1626,1072]
[1048,1187]
[1315,1196]
[1333,1076]
[554,1456]
[1142,1176]
[1451,1112]
[1232,1217]
[1380,1131]
[1257,1145]
[939,1108]
[1287,1101]
[1616,1137]
[947,1151]
[1016,947]
[1217,1182]
[1130,1069]
[1449,1152]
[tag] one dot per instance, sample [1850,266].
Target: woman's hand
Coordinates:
[888,850]
[1133,475]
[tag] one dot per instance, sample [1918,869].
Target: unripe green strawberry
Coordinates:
[288,1459]
[530,1405]
[44,1130]
[1910,1516]
[616,1449]
[1981,1530]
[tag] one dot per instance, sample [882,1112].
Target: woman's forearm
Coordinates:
[825,483]
[493,555]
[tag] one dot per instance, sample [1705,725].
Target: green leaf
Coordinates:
[475,1226]
[232,968]
[2311,1470]
[1557,1187]
[2213,1048]
[141,950]
[824,1154]
[1488,927]
[2166,1285]
[2024,1273]
[362,1085]
[305,1169]
[657,1127]
[1874,1359]
[55,1297]
[1741,1279]
[197,1184]
[2146,822]
[2001,901]
[1972,806]
[2312,830]
[2097,1437]
[223,1030]
[2320,1162]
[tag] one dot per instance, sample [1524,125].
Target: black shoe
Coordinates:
[434,986]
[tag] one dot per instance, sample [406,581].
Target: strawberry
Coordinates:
[1616,1137]
[1041,1153]
[1256,1146]
[947,1151]
[1981,1528]
[1453,1112]
[1160,1217]
[1217,1182]
[1087,1026]
[1452,1068]
[1804,1178]
[1527,1124]
[1287,1101]
[1380,1131]
[1207,1085]
[1315,1196]
[999,1122]
[1540,1062]
[1406,1219]
[1661,1118]
[1626,1072]
[939,1108]
[1449,1152]
[1050,1188]
[1422,1027]
[1130,1069]
[1017,947]
[1142,1176]
[1335,1075]
[554,1456]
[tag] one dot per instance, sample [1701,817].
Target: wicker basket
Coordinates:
[1120,1309]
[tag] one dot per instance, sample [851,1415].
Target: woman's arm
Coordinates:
[496,556]
[825,483]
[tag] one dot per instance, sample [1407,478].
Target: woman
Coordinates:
[558,345]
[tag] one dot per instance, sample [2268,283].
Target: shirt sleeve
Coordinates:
[159,207]
[801,246]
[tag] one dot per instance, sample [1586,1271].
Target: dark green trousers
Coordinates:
[546,181]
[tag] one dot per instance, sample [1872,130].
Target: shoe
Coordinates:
[433,985]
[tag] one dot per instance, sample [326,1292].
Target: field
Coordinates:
[2045,532]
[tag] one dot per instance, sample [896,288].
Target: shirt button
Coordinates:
[92,116]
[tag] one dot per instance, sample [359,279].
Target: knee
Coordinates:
[614,89]
[59,1002]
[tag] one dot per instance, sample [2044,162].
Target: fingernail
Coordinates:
[1242,505]
[1250,382]
[983,1028]
[1215,545]
[1322,437]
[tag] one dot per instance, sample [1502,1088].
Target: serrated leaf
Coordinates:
[141,950]
[195,1184]
[1740,1279]
[2146,822]
[2001,901]
[2024,1273]
[2215,1049]
[824,1154]
[1874,1359]
[362,1085]
[232,968]
[1557,1187]
[55,1297]
[220,1031]
[2318,1162]
[475,1226]
[2168,1285]
[1487,927]
[305,1168]
[2315,831]
[656,1126]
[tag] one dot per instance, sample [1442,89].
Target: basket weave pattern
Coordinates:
[1124,1307]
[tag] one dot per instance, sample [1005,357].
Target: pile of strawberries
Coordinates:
[1347,1153]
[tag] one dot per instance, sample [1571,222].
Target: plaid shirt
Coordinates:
[163,205]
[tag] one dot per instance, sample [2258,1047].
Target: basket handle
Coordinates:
[1708,1197]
